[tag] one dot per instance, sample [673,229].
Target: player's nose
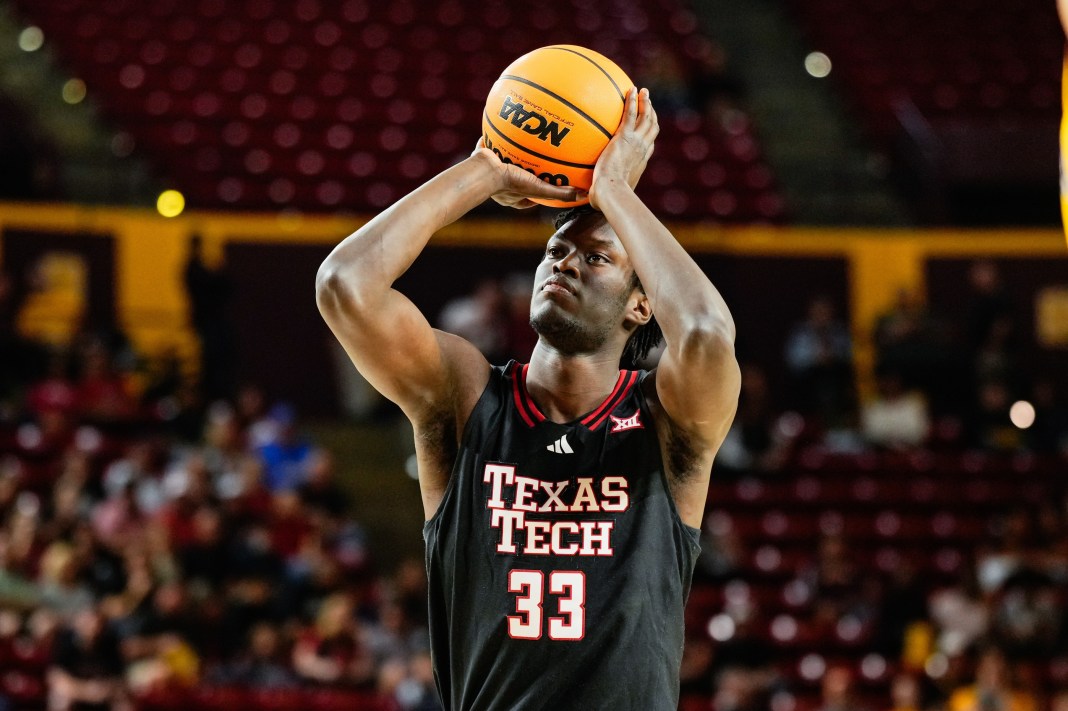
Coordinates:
[567,264]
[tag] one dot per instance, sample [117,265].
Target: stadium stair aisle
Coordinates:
[828,176]
[96,163]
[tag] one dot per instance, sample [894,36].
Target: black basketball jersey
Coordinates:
[558,564]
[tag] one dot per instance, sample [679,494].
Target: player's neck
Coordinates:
[566,387]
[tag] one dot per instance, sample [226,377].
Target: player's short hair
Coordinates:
[645,338]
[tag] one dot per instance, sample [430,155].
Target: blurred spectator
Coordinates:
[261,666]
[102,392]
[139,471]
[906,694]
[833,573]
[896,418]
[1027,615]
[736,691]
[989,304]
[820,360]
[251,409]
[160,647]
[1049,433]
[319,491]
[752,442]
[661,71]
[16,590]
[960,613]
[287,456]
[330,651]
[56,391]
[20,358]
[993,689]
[209,292]
[695,673]
[396,635]
[837,691]
[914,345]
[711,84]
[117,519]
[988,426]
[520,337]
[58,582]
[480,318]
[1059,702]
[223,441]
[722,552]
[206,558]
[902,603]
[410,684]
[87,667]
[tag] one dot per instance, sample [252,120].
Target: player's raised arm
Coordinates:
[388,339]
[698,380]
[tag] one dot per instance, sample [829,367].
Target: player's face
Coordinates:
[583,287]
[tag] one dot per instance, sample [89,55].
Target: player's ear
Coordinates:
[639,310]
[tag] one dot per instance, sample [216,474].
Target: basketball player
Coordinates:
[562,497]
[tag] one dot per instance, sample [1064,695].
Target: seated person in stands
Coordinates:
[86,672]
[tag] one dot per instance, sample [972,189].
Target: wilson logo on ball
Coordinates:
[551,178]
[532,122]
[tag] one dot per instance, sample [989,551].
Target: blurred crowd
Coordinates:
[992,635]
[153,540]
[941,380]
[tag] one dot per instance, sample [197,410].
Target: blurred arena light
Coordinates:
[31,39]
[170,203]
[812,667]
[721,627]
[818,64]
[936,665]
[74,91]
[1022,414]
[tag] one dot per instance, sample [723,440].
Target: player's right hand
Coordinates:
[515,186]
[625,157]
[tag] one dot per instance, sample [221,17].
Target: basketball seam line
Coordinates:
[496,130]
[562,100]
[609,76]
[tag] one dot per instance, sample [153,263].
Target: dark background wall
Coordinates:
[277,323]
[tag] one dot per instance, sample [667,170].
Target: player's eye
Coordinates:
[554,251]
[600,258]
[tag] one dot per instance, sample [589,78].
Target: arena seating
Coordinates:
[349,105]
[930,511]
[959,58]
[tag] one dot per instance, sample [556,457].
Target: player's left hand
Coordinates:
[624,158]
[516,186]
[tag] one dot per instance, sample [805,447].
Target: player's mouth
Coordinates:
[558,286]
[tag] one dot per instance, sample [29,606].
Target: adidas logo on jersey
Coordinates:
[560,446]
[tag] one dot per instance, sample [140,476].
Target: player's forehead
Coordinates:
[588,232]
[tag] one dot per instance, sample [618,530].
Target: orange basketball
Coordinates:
[553,111]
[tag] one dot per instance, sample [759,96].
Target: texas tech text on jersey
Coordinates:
[512,496]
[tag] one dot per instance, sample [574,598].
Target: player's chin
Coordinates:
[548,316]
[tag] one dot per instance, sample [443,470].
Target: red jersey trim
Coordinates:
[631,377]
[518,393]
[531,415]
